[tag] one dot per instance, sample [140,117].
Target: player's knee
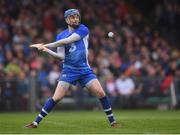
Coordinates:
[100,94]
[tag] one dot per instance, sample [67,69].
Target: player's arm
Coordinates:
[73,38]
[59,54]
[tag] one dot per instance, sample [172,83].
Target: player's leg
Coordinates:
[95,87]
[50,103]
[90,81]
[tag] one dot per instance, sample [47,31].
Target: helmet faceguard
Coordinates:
[71,12]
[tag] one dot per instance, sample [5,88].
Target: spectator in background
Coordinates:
[53,76]
[22,91]
[110,87]
[152,83]
[125,88]
[45,91]
[13,67]
[9,93]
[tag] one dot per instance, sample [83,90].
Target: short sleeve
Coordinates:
[58,37]
[82,31]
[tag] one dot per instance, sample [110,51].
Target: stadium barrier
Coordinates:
[30,95]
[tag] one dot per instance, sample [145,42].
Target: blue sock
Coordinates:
[107,109]
[48,106]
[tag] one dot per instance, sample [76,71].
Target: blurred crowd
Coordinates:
[132,64]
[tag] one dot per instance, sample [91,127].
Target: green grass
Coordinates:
[87,122]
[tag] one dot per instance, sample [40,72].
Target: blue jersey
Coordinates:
[76,54]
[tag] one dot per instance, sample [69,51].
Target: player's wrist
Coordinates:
[45,49]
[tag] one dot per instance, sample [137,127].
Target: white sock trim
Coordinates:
[44,111]
[113,122]
[40,116]
[35,123]
[106,110]
[110,115]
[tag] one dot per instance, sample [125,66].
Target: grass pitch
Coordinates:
[88,122]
